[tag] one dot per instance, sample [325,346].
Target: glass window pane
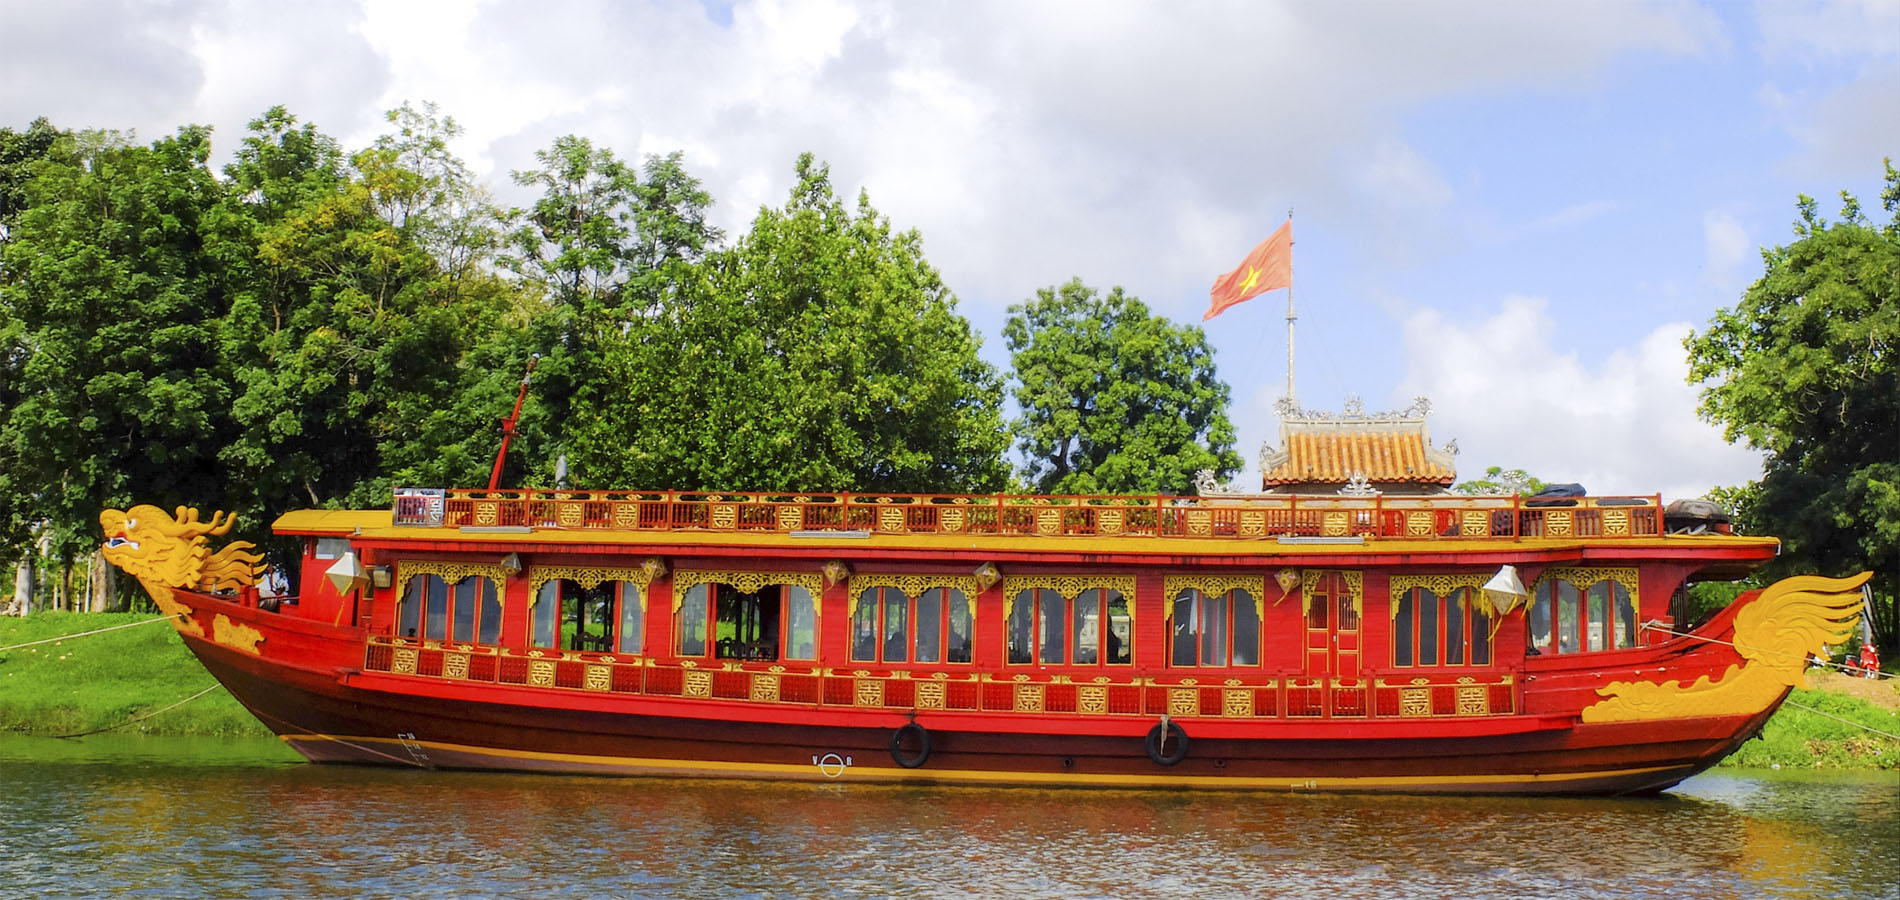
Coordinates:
[1428,616]
[1183,622]
[1246,630]
[864,627]
[546,612]
[1625,616]
[462,609]
[1342,593]
[1480,638]
[1538,618]
[1052,626]
[1022,628]
[801,633]
[436,619]
[959,649]
[1455,626]
[1318,602]
[896,626]
[1598,626]
[1569,624]
[929,626]
[633,619]
[1402,627]
[1120,629]
[409,615]
[692,621]
[1213,629]
[1087,637]
[490,630]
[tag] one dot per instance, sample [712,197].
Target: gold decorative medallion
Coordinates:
[599,678]
[1109,521]
[1236,702]
[1048,521]
[950,519]
[1477,522]
[570,514]
[1415,701]
[1253,523]
[724,515]
[1184,702]
[541,672]
[404,662]
[696,683]
[234,635]
[1557,522]
[626,515]
[868,692]
[1029,698]
[1418,523]
[1616,522]
[1334,523]
[454,665]
[790,518]
[1200,522]
[891,519]
[487,512]
[1092,699]
[1474,700]
[764,688]
[930,695]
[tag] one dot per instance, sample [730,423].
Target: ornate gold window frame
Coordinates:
[451,572]
[1211,585]
[1070,587]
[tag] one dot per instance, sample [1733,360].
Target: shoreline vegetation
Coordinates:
[100,682]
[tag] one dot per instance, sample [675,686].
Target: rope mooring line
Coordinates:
[214,686]
[1839,719]
[54,640]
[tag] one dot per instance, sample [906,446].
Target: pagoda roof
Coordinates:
[1384,449]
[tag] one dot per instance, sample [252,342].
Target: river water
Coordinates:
[148,817]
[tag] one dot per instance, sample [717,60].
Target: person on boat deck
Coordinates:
[1869,661]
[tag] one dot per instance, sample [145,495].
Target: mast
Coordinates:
[1290,317]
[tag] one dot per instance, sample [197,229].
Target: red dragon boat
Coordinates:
[1352,627]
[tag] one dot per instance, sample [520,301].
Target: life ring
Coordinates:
[921,737]
[1160,736]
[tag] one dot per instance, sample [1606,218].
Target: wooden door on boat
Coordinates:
[1332,624]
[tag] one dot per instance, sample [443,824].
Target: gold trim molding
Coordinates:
[451,572]
[1442,585]
[1069,586]
[1173,585]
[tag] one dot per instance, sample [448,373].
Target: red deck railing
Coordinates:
[1241,518]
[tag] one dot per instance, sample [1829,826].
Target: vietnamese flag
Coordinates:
[1268,268]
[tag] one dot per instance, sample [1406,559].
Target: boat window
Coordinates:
[1583,610]
[467,611]
[332,548]
[577,615]
[745,617]
[1433,630]
[1091,628]
[889,625]
[1214,629]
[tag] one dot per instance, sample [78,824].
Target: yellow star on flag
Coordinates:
[1253,278]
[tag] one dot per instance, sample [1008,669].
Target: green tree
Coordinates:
[1499,480]
[20,155]
[822,352]
[1804,368]
[1114,399]
[117,394]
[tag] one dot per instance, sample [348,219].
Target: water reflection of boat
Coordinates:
[1351,628]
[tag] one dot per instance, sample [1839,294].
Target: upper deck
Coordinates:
[1287,518]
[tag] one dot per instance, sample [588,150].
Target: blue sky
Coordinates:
[1516,209]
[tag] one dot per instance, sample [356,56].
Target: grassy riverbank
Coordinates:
[81,684]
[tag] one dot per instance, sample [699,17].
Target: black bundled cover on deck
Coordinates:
[1694,517]
[1556,495]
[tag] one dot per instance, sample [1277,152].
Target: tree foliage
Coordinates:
[1499,480]
[1804,368]
[1114,399]
[821,353]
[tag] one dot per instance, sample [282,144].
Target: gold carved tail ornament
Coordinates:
[1775,634]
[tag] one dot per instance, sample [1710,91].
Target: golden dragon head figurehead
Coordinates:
[173,550]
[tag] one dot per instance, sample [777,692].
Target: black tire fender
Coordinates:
[916,734]
[1164,735]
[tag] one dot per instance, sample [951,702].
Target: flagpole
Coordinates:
[1290,317]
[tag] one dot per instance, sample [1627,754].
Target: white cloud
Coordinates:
[1826,30]
[1618,420]
[1726,247]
